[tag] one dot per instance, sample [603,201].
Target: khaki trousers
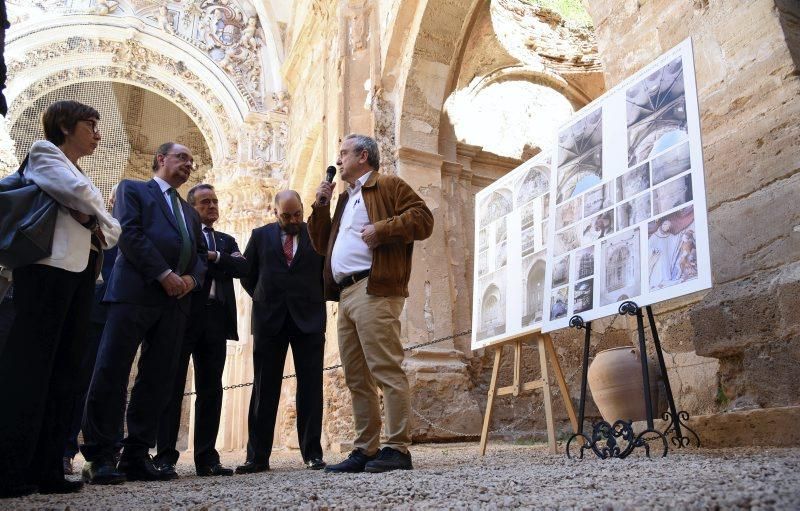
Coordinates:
[372,357]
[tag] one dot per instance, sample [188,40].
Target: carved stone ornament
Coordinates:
[219,28]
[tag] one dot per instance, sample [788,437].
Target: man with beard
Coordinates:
[285,281]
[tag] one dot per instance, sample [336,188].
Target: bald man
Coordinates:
[285,281]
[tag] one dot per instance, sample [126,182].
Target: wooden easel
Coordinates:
[545,349]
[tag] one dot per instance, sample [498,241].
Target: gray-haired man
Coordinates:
[368,246]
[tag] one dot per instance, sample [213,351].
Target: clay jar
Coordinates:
[615,380]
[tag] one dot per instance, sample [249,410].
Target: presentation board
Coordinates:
[510,257]
[627,216]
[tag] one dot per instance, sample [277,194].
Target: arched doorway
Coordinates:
[133,123]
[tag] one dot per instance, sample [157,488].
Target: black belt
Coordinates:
[352,279]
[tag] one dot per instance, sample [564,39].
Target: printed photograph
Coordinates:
[634,211]
[528,241]
[501,255]
[672,249]
[545,206]
[656,112]
[633,182]
[527,214]
[495,206]
[568,213]
[672,194]
[533,268]
[501,231]
[580,156]
[483,239]
[582,296]
[584,263]
[560,272]
[620,279]
[558,303]
[598,199]
[597,227]
[671,163]
[534,183]
[483,263]
[567,240]
[492,306]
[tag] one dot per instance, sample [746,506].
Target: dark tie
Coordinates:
[186,241]
[288,245]
[212,244]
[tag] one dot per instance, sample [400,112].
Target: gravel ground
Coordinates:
[454,476]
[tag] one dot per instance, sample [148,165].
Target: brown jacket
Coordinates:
[400,217]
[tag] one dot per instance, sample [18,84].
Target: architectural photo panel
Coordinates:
[630,224]
[511,218]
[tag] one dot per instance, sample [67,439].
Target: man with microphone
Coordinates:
[368,246]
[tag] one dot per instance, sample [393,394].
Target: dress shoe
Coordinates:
[167,470]
[60,486]
[354,463]
[389,459]
[68,470]
[101,472]
[315,464]
[143,469]
[251,467]
[213,470]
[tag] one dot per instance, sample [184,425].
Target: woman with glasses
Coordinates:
[53,300]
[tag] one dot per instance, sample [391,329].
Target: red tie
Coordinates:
[288,245]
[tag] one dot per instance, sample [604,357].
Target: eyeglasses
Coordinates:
[92,125]
[185,158]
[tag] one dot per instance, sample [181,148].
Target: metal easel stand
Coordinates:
[618,440]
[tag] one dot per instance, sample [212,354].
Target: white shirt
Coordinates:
[294,241]
[350,253]
[213,292]
[164,193]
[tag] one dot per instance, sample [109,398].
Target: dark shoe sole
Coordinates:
[210,474]
[380,470]
[17,491]
[67,487]
[245,472]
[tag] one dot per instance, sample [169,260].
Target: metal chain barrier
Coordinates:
[413,410]
[337,366]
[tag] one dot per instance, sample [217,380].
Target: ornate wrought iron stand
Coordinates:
[618,440]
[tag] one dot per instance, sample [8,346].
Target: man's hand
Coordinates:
[188,281]
[369,236]
[324,193]
[237,254]
[212,256]
[81,218]
[174,285]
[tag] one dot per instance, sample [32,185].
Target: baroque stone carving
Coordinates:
[219,28]
[136,63]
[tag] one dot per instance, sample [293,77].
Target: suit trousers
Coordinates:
[372,357]
[159,330]
[205,342]
[269,358]
[37,370]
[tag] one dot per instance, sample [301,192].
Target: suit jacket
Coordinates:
[223,271]
[150,244]
[50,169]
[279,289]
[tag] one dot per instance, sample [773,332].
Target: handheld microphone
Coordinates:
[330,172]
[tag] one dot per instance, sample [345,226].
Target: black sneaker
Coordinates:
[389,459]
[353,464]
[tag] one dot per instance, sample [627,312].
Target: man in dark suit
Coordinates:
[212,322]
[162,259]
[285,281]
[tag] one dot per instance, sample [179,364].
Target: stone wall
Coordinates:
[747,81]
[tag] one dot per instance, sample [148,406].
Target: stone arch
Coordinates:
[42,59]
[491,306]
[534,292]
